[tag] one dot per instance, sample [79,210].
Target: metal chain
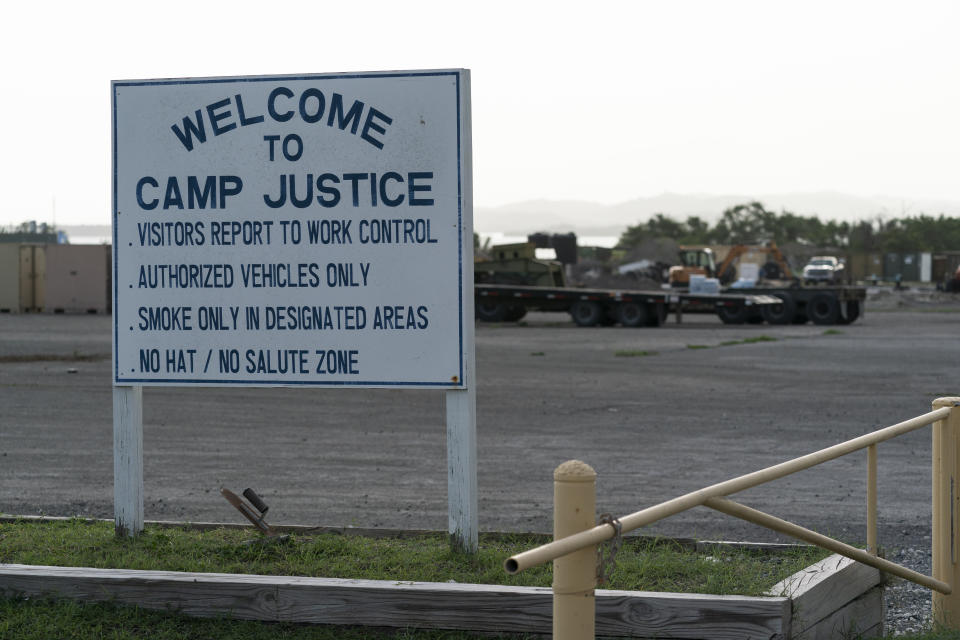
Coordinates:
[606,563]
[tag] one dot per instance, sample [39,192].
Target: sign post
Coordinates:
[128,460]
[310,230]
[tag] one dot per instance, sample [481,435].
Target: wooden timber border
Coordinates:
[832,597]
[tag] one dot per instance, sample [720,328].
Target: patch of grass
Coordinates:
[833,332]
[731,343]
[634,353]
[537,353]
[670,567]
[750,340]
[642,564]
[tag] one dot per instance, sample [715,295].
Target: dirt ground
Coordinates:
[656,416]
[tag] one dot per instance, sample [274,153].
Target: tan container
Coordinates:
[863,266]
[21,277]
[9,278]
[33,260]
[77,278]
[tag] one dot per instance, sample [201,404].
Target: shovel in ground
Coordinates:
[254,510]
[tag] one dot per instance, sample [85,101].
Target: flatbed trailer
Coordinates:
[826,305]
[591,307]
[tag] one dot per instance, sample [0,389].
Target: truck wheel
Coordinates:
[633,314]
[781,313]
[586,313]
[733,315]
[515,312]
[658,315]
[491,310]
[824,308]
[851,312]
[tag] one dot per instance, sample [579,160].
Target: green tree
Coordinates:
[752,223]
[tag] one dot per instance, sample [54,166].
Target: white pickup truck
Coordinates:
[823,269]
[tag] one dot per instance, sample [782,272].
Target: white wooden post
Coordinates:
[462,403]
[128,460]
[462,470]
[462,515]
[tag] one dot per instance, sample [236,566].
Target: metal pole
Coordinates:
[771,522]
[602,532]
[574,575]
[872,499]
[946,440]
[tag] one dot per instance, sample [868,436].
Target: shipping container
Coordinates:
[77,278]
[905,265]
[21,277]
[9,278]
[864,267]
[944,265]
[32,267]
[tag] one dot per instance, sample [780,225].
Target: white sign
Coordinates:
[292,230]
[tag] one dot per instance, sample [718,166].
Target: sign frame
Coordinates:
[124,253]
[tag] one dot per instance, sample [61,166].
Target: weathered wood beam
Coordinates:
[401,604]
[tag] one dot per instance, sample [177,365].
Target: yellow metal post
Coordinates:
[575,574]
[946,509]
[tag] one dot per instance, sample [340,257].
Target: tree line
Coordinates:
[752,223]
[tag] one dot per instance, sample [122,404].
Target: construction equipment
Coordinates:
[702,261]
[828,305]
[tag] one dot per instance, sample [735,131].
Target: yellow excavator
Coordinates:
[702,261]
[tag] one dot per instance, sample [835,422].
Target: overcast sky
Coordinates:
[601,101]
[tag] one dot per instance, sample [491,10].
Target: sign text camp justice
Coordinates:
[291,230]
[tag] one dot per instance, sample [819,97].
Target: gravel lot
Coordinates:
[655,417]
